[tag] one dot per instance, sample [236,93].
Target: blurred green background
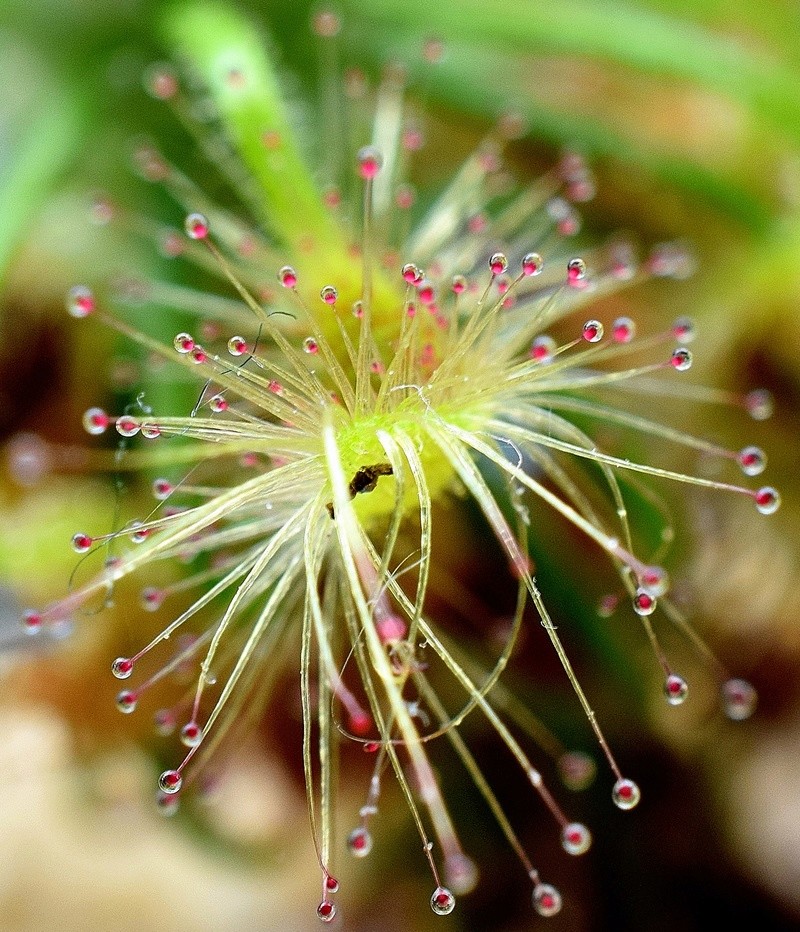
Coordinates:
[689,113]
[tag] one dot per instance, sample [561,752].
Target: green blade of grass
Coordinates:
[615,31]
[468,80]
[37,157]
[227,52]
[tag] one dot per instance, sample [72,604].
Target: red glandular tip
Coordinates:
[126,701]
[391,629]
[151,598]
[426,293]
[759,404]
[237,346]
[287,276]
[498,263]
[359,723]
[162,489]
[623,330]
[542,348]
[739,699]
[412,273]
[160,82]
[752,461]
[370,161]
[32,621]
[326,24]
[675,689]
[183,343]
[127,426]
[592,331]
[442,901]
[196,226]
[531,264]
[170,782]
[768,500]
[329,295]
[359,842]
[80,301]
[81,543]
[576,272]
[122,668]
[681,359]
[405,197]
[546,900]
[625,794]
[684,330]
[95,421]
[576,838]
[643,603]
[191,734]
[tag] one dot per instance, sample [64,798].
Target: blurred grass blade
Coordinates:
[40,140]
[227,52]
[614,31]
[468,79]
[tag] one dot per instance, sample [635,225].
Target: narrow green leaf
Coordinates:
[35,159]
[227,52]
[615,31]
[468,80]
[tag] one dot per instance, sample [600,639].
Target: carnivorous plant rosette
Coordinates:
[361,361]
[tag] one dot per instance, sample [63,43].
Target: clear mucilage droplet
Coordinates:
[768,500]
[675,689]
[80,301]
[183,343]
[81,543]
[498,263]
[127,426]
[126,701]
[122,668]
[359,842]
[237,346]
[576,271]
[593,331]
[442,901]
[370,162]
[546,900]
[170,782]
[623,330]
[196,226]
[95,421]
[625,793]
[329,294]
[681,359]
[531,264]
[644,603]
[739,699]
[287,276]
[576,838]
[752,461]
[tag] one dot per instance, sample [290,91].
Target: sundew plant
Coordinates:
[362,359]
